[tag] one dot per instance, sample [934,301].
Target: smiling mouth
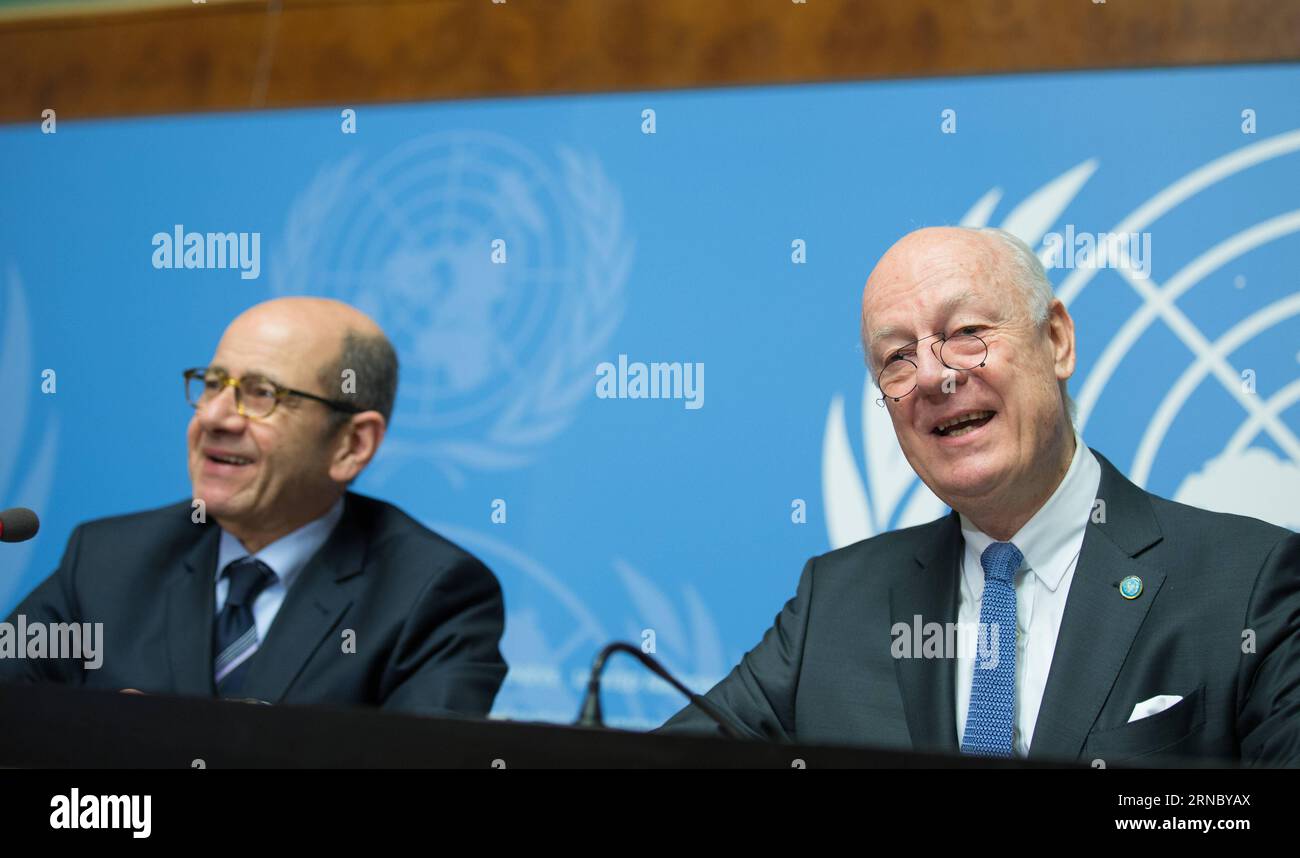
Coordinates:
[229,460]
[962,424]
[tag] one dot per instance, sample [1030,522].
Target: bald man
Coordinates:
[1059,612]
[274,582]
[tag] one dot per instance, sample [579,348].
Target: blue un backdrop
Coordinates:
[645,519]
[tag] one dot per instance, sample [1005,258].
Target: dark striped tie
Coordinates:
[235,636]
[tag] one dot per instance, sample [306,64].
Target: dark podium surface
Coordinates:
[56,727]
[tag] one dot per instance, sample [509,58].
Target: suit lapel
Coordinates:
[930,592]
[1098,627]
[191,606]
[324,590]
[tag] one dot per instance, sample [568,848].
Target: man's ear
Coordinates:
[357,443]
[1061,331]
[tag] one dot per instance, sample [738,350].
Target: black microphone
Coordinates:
[18,524]
[591,715]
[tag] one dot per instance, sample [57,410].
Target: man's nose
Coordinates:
[221,412]
[932,377]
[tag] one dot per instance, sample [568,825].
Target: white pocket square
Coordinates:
[1156,704]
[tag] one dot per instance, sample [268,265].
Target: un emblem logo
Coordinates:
[1192,394]
[498,276]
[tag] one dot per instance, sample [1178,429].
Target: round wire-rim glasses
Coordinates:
[960,352]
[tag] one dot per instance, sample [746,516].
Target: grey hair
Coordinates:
[1028,273]
[1026,270]
[374,361]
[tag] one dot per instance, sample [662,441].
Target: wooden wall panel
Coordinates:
[240,55]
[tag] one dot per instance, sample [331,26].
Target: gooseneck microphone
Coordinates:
[591,715]
[18,524]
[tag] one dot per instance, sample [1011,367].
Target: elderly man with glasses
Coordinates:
[1059,612]
[274,582]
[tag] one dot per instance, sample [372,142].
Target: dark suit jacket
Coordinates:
[1214,584]
[427,616]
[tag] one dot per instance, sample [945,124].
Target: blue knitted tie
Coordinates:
[991,714]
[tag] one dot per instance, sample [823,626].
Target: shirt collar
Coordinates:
[287,555]
[1055,530]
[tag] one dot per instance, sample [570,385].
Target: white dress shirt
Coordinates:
[286,557]
[1050,542]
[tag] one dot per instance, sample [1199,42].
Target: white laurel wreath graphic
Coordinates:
[17,380]
[293,259]
[690,647]
[545,406]
[553,661]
